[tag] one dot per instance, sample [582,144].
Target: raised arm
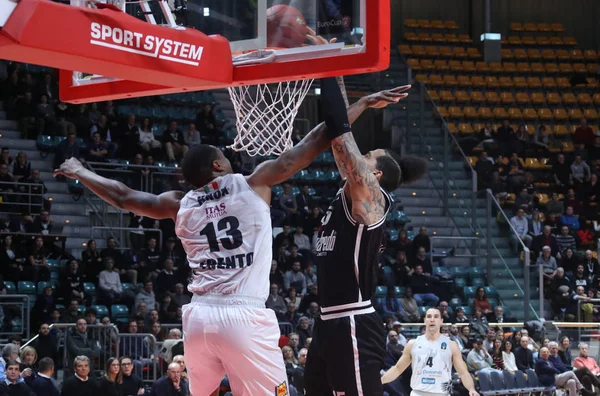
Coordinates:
[401,365]
[163,206]
[461,369]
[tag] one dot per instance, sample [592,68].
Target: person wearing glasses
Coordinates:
[112,380]
[131,384]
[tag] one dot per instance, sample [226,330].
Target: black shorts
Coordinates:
[346,357]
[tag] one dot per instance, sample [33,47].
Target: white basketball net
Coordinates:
[265,116]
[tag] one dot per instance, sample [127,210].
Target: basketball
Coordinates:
[286,27]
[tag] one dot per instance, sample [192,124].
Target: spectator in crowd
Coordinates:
[45,117]
[572,200]
[292,315]
[295,278]
[545,239]
[97,150]
[129,137]
[410,306]
[569,219]
[276,302]
[446,316]
[536,226]
[172,384]
[490,336]
[478,323]
[304,202]
[136,348]
[565,240]
[570,261]
[508,357]
[562,173]
[80,344]
[550,374]
[421,259]
[301,240]
[421,240]
[484,168]
[548,263]
[43,307]
[292,297]
[304,330]
[36,265]
[496,353]
[28,366]
[166,279]
[146,295]
[423,288]
[81,384]
[45,344]
[39,201]
[555,205]
[72,313]
[586,361]
[91,262]
[110,383]
[454,336]
[579,278]
[524,356]
[584,135]
[71,283]
[12,384]
[21,168]
[520,225]
[481,301]
[147,141]
[287,202]
[192,136]
[591,264]
[289,359]
[478,358]
[580,171]
[180,297]
[298,373]
[131,385]
[524,201]
[148,261]
[392,307]
[207,124]
[42,224]
[309,274]
[26,113]
[43,385]
[465,333]
[109,284]
[174,142]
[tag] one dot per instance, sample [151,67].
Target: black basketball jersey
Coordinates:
[347,255]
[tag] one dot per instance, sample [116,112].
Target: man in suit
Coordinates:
[545,239]
[43,385]
[499,316]
[11,385]
[171,384]
[523,356]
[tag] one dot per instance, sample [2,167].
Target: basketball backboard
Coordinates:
[158,47]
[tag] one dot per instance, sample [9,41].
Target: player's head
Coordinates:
[433,320]
[392,170]
[203,163]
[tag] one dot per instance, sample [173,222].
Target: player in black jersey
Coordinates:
[346,354]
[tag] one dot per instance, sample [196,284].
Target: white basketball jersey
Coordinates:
[225,229]
[432,365]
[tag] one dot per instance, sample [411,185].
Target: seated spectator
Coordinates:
[301,240]
[584,135]
[508,357]
[520,225]
[564,351]
[42,224]
[292,315]
[454,336]
[423,288]
[524,356]
[590,264]
[148,261]
[43,385]
[481,301]
[524,201]
[36,265]
[102,127]
[180,297]
[422,260]
[585,235]
[146,138]
[174,142]
[588,362]
[295,278]
[109,284]
[478,358]
[515,173]
[570,220]
[97,150]
[45,344]
[192,136]
[459,316]
[36,200]
[421,240]
[131,383]
[560,289]
[484,168]
[391,306]
[572,200]
[275,276]
[12,263]
[403,244]
[304,202]
[43,307]
[304,330]
[21,168]
[166,279]
[110,383]
[310,275]
[81,384]
[207,124]
[567,368]
[172,384]
[393,349]
[580,171]
[66,149]
[79,343]
[543,140]
[580,301]
[544,239]
[45,117]
[591,190]
[136,348]
[536,226]
[276,302]
[410,306]
[91,262]
[569,261]
[488,341]
[565,240]
[287,202]
[497,355]
[562,173]
[6,184]
[13,384]
[555,205]
[580,278]
[146,296]
[478,323]
[548,263]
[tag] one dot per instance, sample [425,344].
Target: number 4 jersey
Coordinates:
[225,229]
[432,365]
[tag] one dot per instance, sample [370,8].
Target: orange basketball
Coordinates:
[286,27]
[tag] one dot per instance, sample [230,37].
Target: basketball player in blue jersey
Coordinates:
[224,225]
[432,356]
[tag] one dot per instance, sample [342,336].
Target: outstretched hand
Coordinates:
[382,99]
[69,168]
[314,38]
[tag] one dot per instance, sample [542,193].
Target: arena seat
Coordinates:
[10,287]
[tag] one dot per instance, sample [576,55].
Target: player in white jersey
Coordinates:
[225,227]
[432,356]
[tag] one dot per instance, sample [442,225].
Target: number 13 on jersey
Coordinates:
[233,236]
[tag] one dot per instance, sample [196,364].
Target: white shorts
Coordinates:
[236,336]
[421,393]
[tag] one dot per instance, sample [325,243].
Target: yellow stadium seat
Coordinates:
[565,68]
[495,67]
[446,96]
[455,66]
[465,129]
[418,51]
[591,114]
[470,112]
[421,78]
[451,25]
[452,128]
[563,83]
[523,67]
[570,41]
[549,82]
[516,27]
[522,98]
[538,98]
[569,99]
[405,49]
[507,54]
[462,96]
[459,53]
[548,55]
[592,68]
[445,52]
[477,97]
[544,27]
[411,23]
[537,68]
[584,99]
[576,55]
[542,40]
[560,115]
[560,130]
[520,54]
[590,55]
[432,51]
[534,54]
[451,38]
[530,27]
[411,36]
[575,115]
[492,82]
[433,95]
[567,147]
[514,40]
[464,81]
[492,97]
[485,113]
[473,53]
[554,98]
[424,24]
[441,65]
[515,113]
[469,66]
[437,24]
[551,68]
[534,82]
[450,80]
[427,64]
[542,198]
[596,98]
[545,163]
[435,80]
[530,114]
[507,98]
[500,114]
[506,82]
[478,82]
[579,68]
[563,55]
[545,114]
[532,163]
[528,40]
[472,160]
[465,39]
[441,111]
[455,112]
[414,64]
[557,28]
[424,37]
[520,82]
[509,67]
[438,38]
[556,41]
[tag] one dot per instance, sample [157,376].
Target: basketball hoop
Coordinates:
[265,112]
